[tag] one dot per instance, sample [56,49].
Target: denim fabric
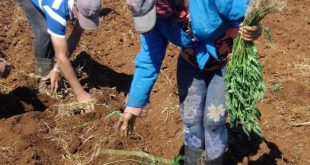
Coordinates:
[202,105]
[42,44]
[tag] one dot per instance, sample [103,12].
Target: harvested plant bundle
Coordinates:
[243,79]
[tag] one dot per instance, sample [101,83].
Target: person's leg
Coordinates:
[192,92]
[215,118]
[42,45]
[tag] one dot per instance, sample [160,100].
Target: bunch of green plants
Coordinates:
[243,80]
[142,158]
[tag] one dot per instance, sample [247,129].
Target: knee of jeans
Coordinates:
[192,111]
[192,118]
[215,116]
[215,125]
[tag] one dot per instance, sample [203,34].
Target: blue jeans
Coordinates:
[202,105]
[42,45]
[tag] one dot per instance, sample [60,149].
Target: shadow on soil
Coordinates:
[240,147]
[99,75]
[18,101]
[105,11]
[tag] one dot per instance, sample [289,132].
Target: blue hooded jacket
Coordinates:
[210,19]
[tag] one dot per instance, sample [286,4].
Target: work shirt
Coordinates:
[57,13]
[153,49]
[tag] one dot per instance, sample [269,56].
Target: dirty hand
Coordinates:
[250,33]
[126,122]
[87,99]
[54,77]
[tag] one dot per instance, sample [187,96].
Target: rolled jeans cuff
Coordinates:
[43,66]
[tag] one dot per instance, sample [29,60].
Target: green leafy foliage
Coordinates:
[245,86]
[277,87]
[243,79]
[308,108]
[267,34]
[114,113]
[143,158]
[177,160]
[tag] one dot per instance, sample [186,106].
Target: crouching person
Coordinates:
[48,20]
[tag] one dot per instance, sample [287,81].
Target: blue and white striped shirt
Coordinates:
[57,13]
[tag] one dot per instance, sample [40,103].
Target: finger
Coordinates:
[247,39]
[82,111]
[92,107]
[249,29]
[241,31]
[124,128]
[229,56]
[56,86]
[118,125]
[247,36]
[130,129]
[52,86]
[46,78]
[251,37]
[245,33]
[86,109]
[253,31]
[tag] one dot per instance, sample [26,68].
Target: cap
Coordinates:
[88,13]
[144,12]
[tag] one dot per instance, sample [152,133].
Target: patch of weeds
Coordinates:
[308,108]
[297,149]
[177,160]
[277,87]
[114,113]
[267,34]
[143,158]
[296,152]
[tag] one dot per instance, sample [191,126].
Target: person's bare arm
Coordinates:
[61,51]
[72,42]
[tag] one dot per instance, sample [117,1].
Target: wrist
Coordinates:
[133,111]
[80,92]
[56,69]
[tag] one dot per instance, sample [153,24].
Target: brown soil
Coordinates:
[33,131]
